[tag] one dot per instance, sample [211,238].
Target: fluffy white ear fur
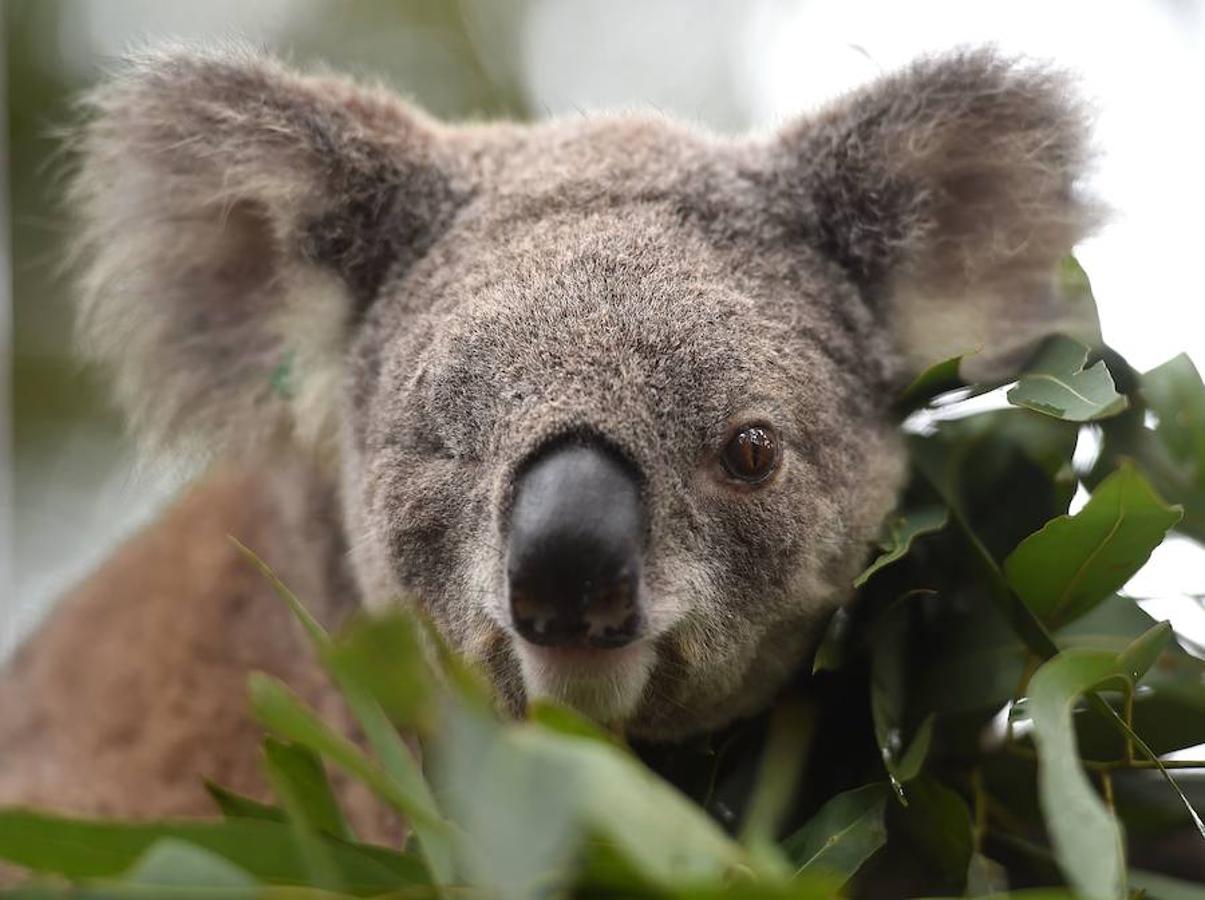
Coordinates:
[949,192]
[235,219]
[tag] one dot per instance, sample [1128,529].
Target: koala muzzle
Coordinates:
[574,556]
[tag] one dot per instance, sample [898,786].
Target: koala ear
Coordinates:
[236,219]
[948,195]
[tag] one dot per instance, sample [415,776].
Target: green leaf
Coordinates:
[299,780]
[80,848]
[937,379]
[315,630]
[830,655]
[1162,887]
[237,806]
[1075,562]
[173,862]
[114,890]
[842,835]
[899,533]
[888,694]
[356,675]
[1086,837]
[933,463]
[784,759]
[670,839]
[1175,393]
[1057,384]
[1172,455]
[529,800]
[557,717]
[283,712]
[383,657]
[1076,289]
[938,824]
[297,773]
[986,877]
[396,759]
[909,764]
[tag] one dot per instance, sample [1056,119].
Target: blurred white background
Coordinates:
[743,64]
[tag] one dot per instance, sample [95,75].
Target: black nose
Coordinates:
[576,531]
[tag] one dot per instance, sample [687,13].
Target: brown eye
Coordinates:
[752,453]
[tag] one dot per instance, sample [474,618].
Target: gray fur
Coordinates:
[442,300]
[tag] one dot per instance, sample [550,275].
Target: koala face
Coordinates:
[607,399]
[630,331]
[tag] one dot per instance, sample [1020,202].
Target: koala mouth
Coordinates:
[603,684]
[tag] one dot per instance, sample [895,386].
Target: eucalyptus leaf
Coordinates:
[1057,384]
[518,826]
[937,822]
[282,712]
[566,720]
[909,764]
[81,849]
[318,635]
[1076,289]
[986,877]
[842,835]
[298,772]
[301,787]
[938,378]
[1173,454]
[114,890]
[899,532]
[171,861]
[670,839]
[830,655]
[784,759]
[1163,887]
[1175,393]
[1076,562]
[888,698]
[567,790]
[1086,836]
[237,806]
[384,657]
[398,763]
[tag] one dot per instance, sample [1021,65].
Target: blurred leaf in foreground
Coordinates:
[82,849]
[170,861]
[1086,836]
[937,379]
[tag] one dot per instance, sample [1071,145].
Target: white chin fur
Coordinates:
[605,685]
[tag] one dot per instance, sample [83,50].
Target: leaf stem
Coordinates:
[1106,787]
[980,808]
[1113,765]
[1129,720]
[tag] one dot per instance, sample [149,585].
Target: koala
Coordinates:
[608,399]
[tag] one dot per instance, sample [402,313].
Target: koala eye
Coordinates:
[752,454]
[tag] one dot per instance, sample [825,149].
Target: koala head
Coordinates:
[607,398]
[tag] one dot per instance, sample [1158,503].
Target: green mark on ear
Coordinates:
[281,378]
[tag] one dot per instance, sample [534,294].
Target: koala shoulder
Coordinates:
[135,688]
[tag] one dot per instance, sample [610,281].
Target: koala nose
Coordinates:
[576,534]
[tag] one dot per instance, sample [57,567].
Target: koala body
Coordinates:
[394,334]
